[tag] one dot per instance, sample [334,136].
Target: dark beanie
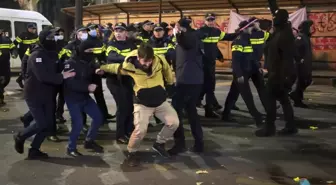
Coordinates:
[280,17]
[184,22]
[46,32]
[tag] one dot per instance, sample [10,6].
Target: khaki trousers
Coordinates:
[165,112]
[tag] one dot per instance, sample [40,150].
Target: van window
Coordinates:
[6,25]
[21,27]
[44,26]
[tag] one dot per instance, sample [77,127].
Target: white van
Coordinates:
[15,22]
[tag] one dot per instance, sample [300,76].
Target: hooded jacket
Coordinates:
[149,88]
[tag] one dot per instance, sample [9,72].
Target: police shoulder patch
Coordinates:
[38,60]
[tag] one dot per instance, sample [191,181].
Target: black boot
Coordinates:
[287,131]
[122,140]
[177,148]
[73,153]
[92,145]
[36,154]
[198,148]
[19,143]
[210,113]
[160,149]
[266,131]
[132,159]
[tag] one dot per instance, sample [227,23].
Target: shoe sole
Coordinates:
[160,153]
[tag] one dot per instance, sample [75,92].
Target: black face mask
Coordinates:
[49,45]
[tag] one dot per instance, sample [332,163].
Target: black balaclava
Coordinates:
[280,18]
[47,39]
[85,56]
[185,23]
[305,27]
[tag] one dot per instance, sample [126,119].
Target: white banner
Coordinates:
[296,18]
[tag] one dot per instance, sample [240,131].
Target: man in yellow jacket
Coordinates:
[148,72]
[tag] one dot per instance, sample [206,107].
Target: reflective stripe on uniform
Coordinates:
[18,39]
[98,50]
[32,41]
[248,49]
[266,35]
[163,50]
[12,45]
[143,39]
[240,48]
[66,52]
[222,35]
[210,40]
[123,52]
[27,52]
[5,46]
[257,41]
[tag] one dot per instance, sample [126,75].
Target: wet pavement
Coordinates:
[234,156]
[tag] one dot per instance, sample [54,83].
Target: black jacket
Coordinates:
[6,47]
[165,47]
[24,40]
[76,88]
[210,37]
[304,55]
[189,66]
[42,77]
[242,59]
[280,51]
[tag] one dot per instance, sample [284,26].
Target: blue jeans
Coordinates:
[76,109]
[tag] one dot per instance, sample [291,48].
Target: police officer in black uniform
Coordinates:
[99,52]
[146,31]
[210,37]
[23,41]
[121,87]
[303,61]
[162,44]
[281,70]
[6,49]
[242,69]
[257,40]
[39,93]
[60,42]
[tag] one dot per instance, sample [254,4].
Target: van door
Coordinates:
[19,27]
